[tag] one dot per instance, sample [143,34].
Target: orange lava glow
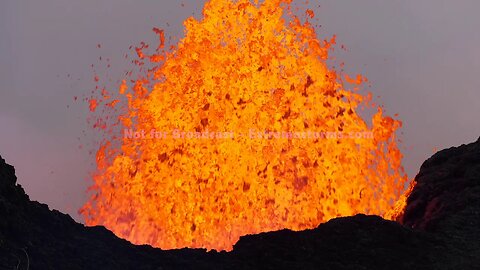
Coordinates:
[244,74]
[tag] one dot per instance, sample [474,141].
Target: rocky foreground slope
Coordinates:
[441,230]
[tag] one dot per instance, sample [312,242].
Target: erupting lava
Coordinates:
[242,71]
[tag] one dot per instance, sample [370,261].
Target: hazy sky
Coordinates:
[421,56]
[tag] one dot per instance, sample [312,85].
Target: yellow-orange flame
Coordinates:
[245,80]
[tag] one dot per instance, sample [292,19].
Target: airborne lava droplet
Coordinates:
[93,104]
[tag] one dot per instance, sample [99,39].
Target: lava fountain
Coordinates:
[240,128]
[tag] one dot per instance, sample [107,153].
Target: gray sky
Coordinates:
[422,58]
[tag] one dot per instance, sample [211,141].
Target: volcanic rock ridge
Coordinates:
[440,229]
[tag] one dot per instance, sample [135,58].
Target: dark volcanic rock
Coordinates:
[446,199]
[359,242]
[441,231]
[448,183]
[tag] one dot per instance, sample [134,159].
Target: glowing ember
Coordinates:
[243,80]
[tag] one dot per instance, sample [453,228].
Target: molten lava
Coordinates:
[242,105]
